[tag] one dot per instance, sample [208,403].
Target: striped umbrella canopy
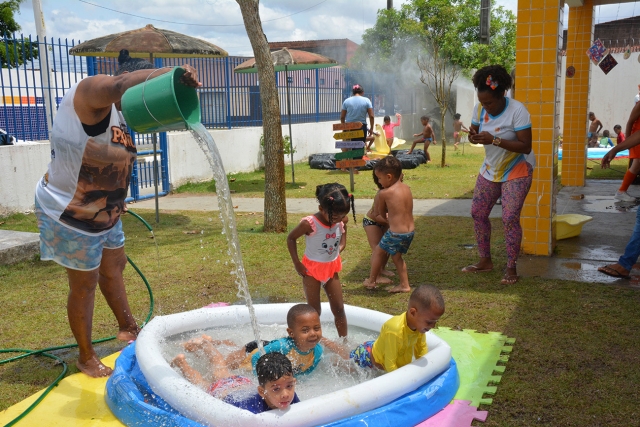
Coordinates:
[149,42]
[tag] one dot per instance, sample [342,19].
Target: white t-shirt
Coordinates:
[501,165]
[88,177]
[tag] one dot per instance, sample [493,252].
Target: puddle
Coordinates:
[608,205]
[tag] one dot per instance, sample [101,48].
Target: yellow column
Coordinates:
[576,98]
[538,74]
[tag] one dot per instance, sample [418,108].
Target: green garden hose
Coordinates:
[45,351]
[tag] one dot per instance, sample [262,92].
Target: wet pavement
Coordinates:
[601,241]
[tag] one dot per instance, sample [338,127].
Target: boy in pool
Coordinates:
[395,208]
[303,346]
[403,336]
[277,386]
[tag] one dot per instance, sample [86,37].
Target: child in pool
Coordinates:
[325,236]
[395,208]
[403,337]
[304,345]
[375,231]
[276,388]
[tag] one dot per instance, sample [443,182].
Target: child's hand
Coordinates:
[301,269]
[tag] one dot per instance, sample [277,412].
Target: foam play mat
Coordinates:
[78,401]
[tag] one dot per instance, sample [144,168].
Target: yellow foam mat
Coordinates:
[77,401]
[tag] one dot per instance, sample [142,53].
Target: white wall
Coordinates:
[23,165]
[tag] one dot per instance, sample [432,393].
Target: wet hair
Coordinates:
[375,179]
[390,165]
[605,132]
[386,119]
[427,118]
[129,64]
[425,297]
[272,367]
[457,116]
[357,89]
[297,311]
[494,79]
[617,127]
[334,197]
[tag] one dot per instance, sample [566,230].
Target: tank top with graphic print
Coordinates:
[323,243]
[87,179]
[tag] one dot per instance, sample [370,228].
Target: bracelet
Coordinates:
[496,141]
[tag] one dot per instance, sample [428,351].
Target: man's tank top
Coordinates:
[87,179]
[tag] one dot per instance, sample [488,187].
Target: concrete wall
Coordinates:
[23,165]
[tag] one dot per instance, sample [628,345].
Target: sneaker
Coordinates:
[623,196]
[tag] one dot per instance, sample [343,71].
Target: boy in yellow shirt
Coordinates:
[402,337]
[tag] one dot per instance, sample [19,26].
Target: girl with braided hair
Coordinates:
[325,237]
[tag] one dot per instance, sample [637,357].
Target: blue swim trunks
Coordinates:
[362,355]
[426,139]
[589,134]
[73,249]
[392,243]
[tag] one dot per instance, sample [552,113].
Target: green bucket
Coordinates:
[161,104]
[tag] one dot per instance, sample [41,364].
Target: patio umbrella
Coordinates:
[289,60]
[149,42]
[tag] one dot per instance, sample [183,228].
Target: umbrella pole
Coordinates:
[155,165]
[293,173]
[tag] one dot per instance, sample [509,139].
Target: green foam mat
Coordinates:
[481,360]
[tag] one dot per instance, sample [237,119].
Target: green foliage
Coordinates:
[13,53]
[286,145]
[445,27]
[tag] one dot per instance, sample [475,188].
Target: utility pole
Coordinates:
[485,20]
[48,101]
[389,4]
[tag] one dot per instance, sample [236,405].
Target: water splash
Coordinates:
[228,219]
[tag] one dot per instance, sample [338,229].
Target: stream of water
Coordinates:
[228,218]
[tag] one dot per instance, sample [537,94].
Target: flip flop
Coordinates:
[610,271]
[473,269]
[509,279]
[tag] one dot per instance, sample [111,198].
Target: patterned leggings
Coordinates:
[485,196]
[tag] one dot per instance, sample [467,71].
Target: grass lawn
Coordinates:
[456,181]
[575,361]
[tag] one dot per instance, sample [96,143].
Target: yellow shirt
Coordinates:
[397,344]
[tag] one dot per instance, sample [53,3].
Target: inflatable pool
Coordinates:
[598,153]
[145,390]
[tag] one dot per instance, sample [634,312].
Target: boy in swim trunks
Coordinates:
[395,208]
[594,128]
[427,136]
[403,337]
[457,127]
[276,388]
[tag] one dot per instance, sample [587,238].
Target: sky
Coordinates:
[220,21]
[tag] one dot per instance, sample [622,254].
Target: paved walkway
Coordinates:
[426,207]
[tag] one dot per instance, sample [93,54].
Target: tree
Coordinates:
[12,52]
[441,38]
[275,209]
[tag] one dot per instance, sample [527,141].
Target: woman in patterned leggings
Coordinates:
[503,126]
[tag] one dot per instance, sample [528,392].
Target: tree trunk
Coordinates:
[443,161]
[275,209]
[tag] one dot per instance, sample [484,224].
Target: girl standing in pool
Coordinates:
[325,237]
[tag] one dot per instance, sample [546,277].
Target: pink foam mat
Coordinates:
[458,413]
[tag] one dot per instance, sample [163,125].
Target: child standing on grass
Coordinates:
[325,237]
[457,127]
[277,386]
[427,136]
[375,231]
[395,208]
[388,128]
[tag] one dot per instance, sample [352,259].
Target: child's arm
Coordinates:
[343,238]
[381,208]
[302,229]
[433,134]
[599,123]
[398,119]
[335,347]
[463,127]
[635,114]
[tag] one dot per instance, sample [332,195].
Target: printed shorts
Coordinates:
[224,386]
[392,243]
[72,249]
[362,355]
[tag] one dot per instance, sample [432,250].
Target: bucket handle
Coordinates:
[145,101]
